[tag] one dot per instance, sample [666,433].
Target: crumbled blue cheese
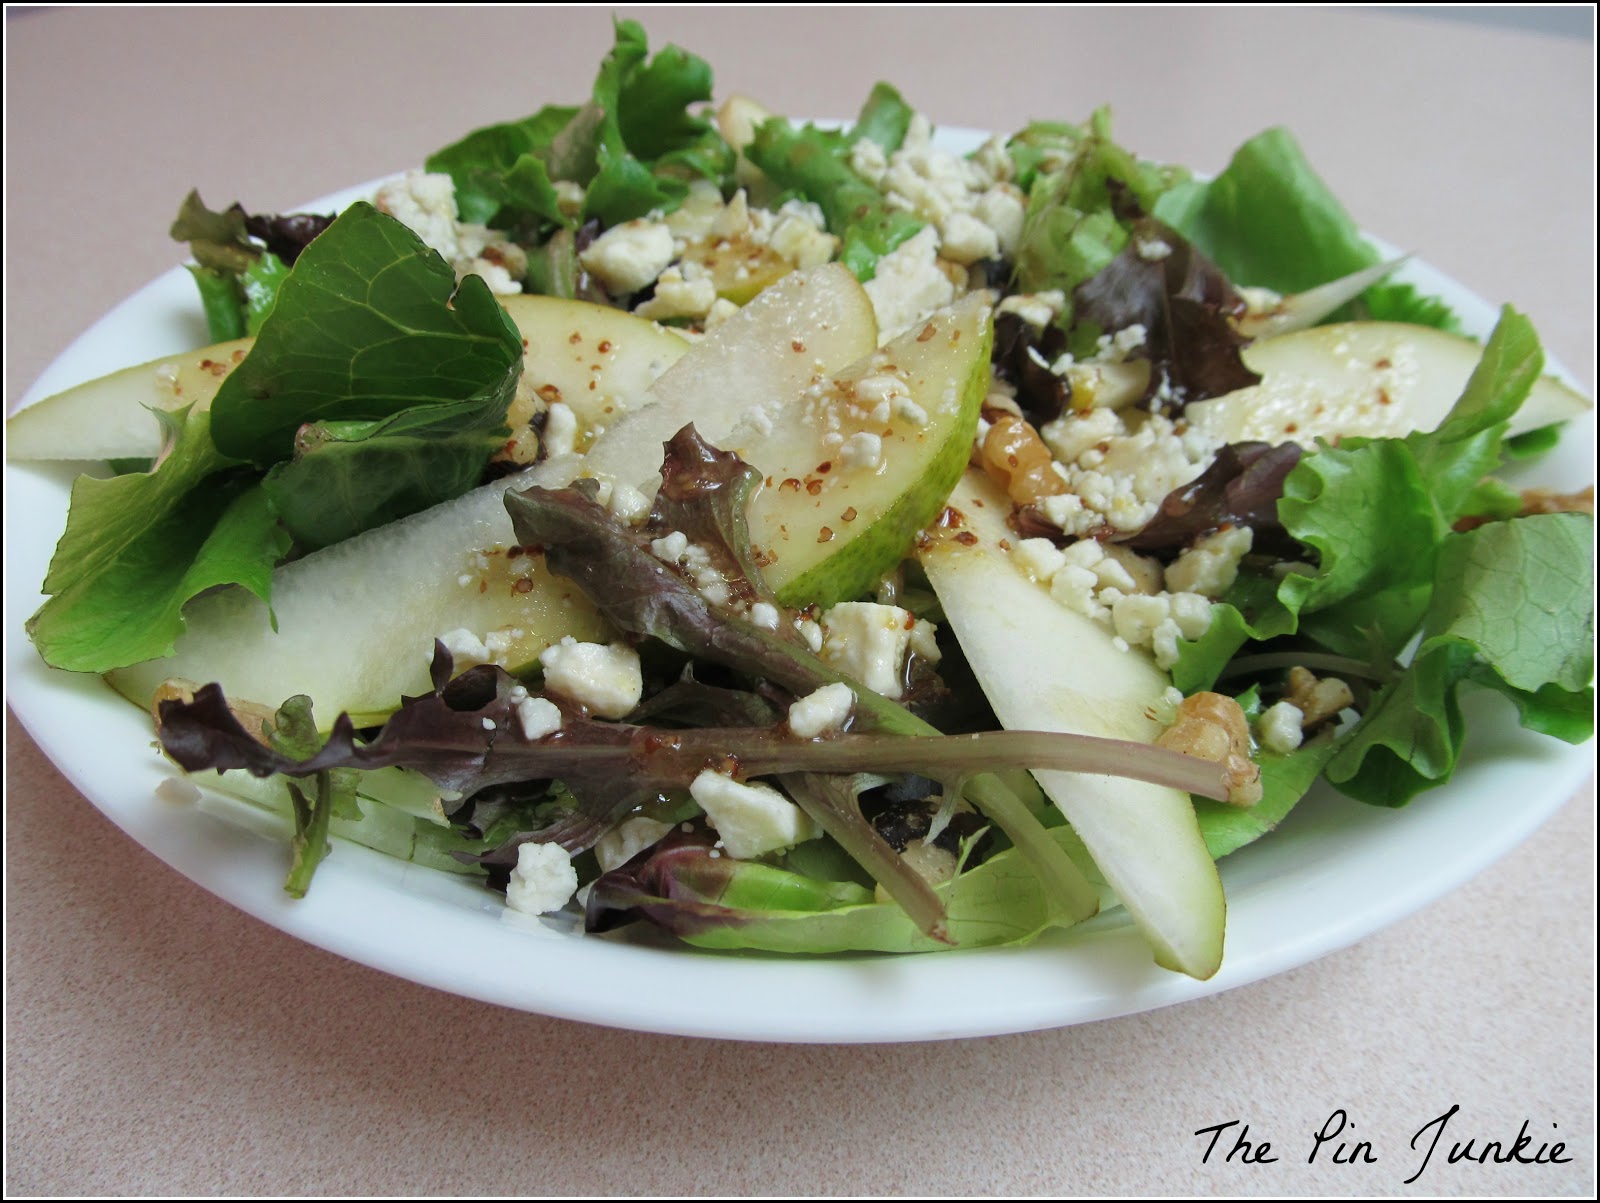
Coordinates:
[628,257]
[543,880]
[800,236]
[426,202]
[685,291]
[1039,558]
[765,615]
[465,648]
[1035,308]
[670,547]
[750,818]
[868,642]
[861,450]
[605,679]
[811,633]
[1121,590]
[721,310]
[560,429]
[1210,567]
[1279,728]
[822,710]
[976,214]
[627,839]
[1119,466]
[908,285]
[627,504]
[538,717]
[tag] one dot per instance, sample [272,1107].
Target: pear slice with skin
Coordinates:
[1046,668]
[827,529]
[356,621]
[593,357]
[1373,379]
[109,418]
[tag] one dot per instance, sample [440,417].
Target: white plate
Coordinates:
[1333,873]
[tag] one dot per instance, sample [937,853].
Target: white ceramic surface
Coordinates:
[1334,872]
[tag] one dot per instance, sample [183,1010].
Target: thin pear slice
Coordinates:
[597,360]
[805,327]
[594,358]
[1375,379]
[826,528]
[356,621]
[1045,668]
[109,418]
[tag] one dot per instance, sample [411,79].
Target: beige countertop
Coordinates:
[158,1041]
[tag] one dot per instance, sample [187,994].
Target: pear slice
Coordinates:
[356,621]
[805,327]
[589,356]
[597,360]
[109,418]
[1374,379]
[827,524]
[1046,668]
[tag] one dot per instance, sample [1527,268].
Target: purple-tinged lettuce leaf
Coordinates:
[241,260]
[833,802]
[1079,213]
[639,594]
[1242,487]
[1161,282]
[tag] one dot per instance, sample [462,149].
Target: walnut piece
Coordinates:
[1213,728]
[1016,458]
[1318,699]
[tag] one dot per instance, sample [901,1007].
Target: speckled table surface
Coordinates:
[160,1042]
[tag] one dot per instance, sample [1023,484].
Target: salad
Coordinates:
[1156,487]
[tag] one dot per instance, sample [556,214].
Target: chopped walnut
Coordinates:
[1540,501]
[1016,458]
[1319,699]
[1213,728]
[1548,501]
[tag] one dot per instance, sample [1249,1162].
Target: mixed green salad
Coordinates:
[813,539]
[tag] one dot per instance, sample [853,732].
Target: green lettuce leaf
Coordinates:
[1284,781]
[1079,214]
[369,324]
[713,902]
[1269,220]
[633,146]
[1375,512]
[815,163]
[645,139]
[884,118]
[500,172]
[139,546]
[1509,613]
[347,477]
